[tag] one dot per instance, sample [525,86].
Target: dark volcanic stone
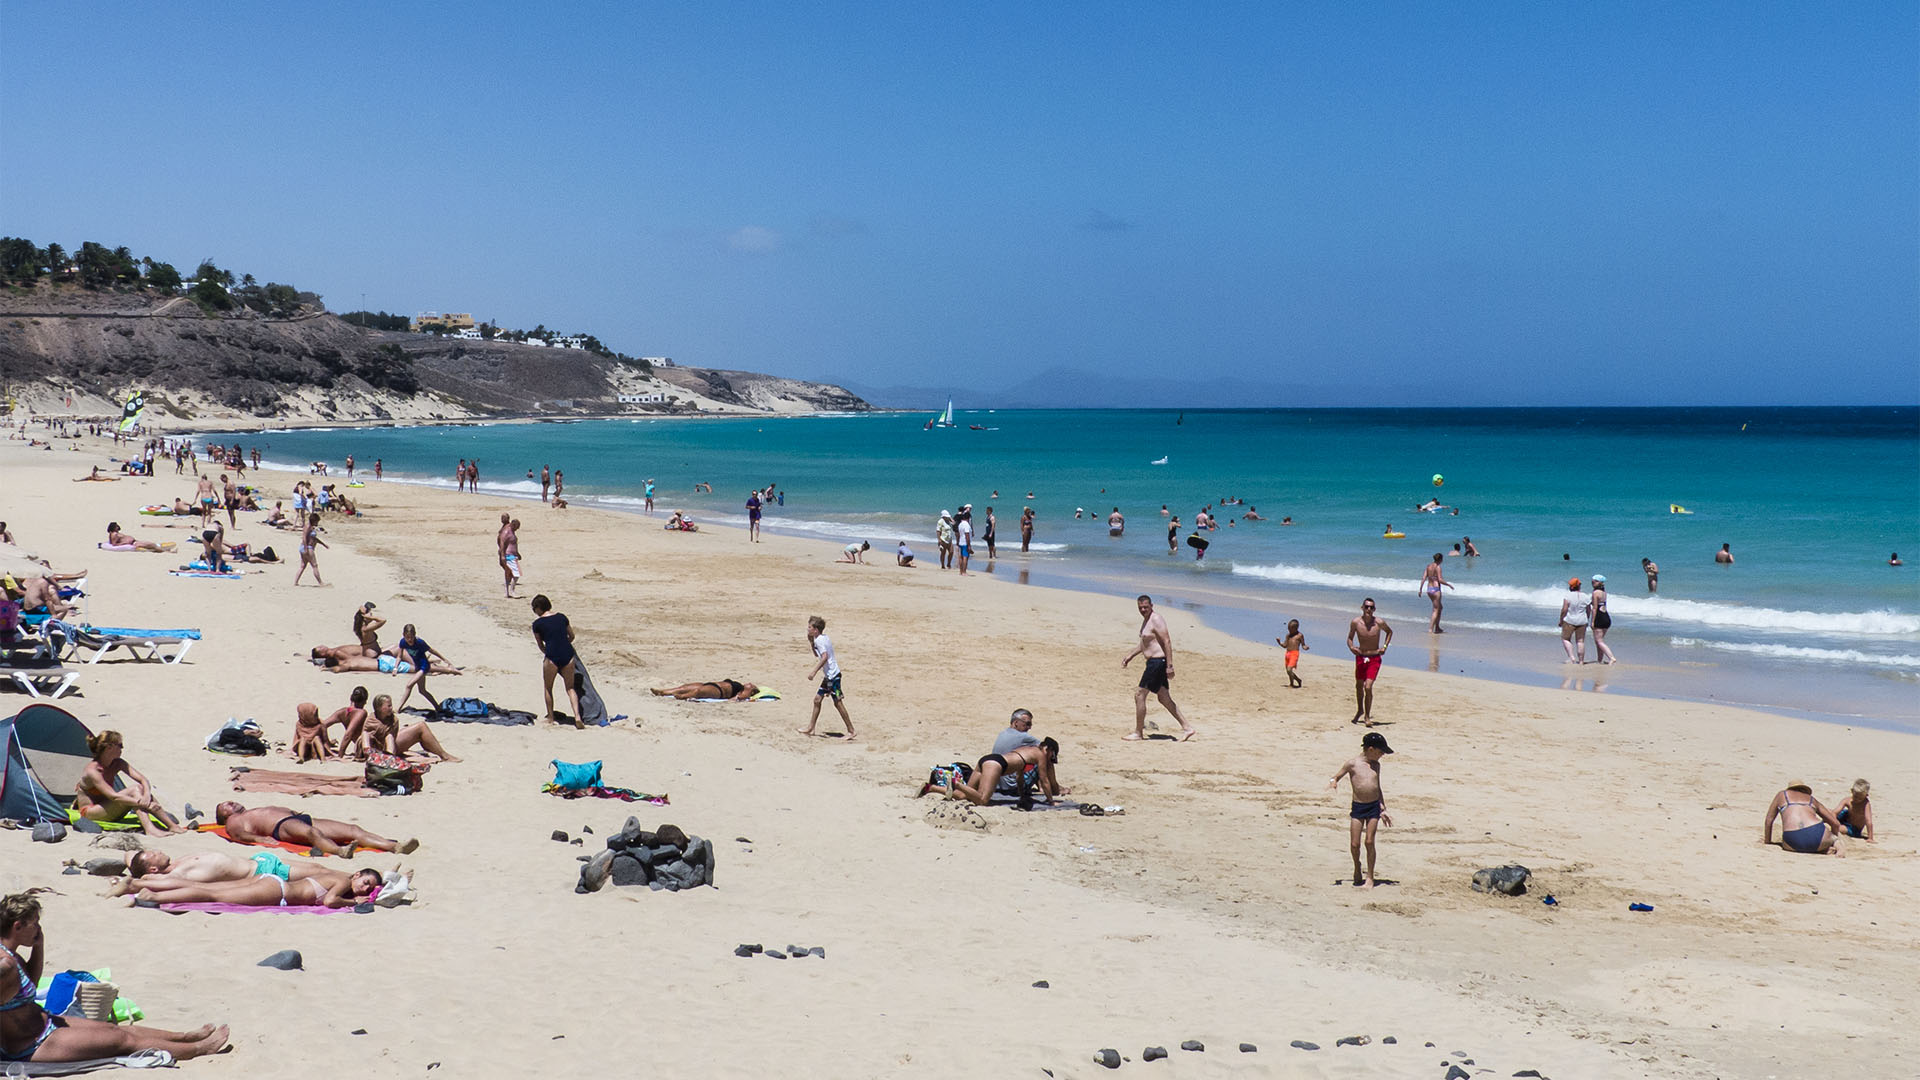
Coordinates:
[1510,879]
[588,829]
[1043,985]
[1193,1044]
[776,954]
[1535,1073]
[1455,1072]
[819,951]
[1302,1044]
[1109,1058]
[663,853]
[285,960]
[1153,1053]
[743,950]
[1249,1048]
[560,835]
[1389,1040]
[671,834]
[1354,1040]
[627,870]
[676,875]
[700,855]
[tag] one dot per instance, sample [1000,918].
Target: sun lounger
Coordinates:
[169,646]
[33,678]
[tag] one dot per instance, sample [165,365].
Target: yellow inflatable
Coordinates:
[1676,508]
[1394,536]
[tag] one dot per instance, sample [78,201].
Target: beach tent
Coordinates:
[46,751]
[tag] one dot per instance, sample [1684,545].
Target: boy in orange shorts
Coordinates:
[1293,643]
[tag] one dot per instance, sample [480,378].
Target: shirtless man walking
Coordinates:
[1367,638]
[508,543]
[1156,643]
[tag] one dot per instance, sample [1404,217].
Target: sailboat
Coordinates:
[946,418]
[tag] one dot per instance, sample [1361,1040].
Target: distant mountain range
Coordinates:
[1067,388]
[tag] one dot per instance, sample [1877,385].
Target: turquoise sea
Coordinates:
[1810,619]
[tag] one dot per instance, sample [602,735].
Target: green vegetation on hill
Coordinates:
[97,267]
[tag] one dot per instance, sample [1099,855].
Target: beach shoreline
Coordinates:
[1211,902]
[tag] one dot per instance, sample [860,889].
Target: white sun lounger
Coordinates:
[168,646]
[31,679]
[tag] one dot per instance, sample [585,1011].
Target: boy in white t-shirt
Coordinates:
[830,684]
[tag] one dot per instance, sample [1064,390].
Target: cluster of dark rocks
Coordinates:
[660,859]
[1111,1059]
[793,951]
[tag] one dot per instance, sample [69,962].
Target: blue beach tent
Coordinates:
[46,751]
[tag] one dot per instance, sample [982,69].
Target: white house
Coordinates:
[571,341]
[535,342]
[655,398]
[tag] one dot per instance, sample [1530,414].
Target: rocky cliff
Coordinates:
[64,342]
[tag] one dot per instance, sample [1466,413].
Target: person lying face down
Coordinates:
[722,689]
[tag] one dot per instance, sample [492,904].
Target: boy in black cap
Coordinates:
[1369,804]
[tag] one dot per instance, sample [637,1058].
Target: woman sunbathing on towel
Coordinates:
[1040,760]
[27,1033]
[120,541]
[94,475]
[724,690]
[154,869]
[328,888]
[266,825]
[110,789]
[366,627]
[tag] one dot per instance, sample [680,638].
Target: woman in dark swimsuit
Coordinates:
[722,689]
[554,634]
[1806,826]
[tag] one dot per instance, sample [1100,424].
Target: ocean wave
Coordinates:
[1698,612]
[1800,652]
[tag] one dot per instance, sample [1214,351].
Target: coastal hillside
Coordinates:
[62,343]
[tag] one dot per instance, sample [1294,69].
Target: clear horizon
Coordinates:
[1506,205]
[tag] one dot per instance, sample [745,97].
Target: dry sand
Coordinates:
[1215,909]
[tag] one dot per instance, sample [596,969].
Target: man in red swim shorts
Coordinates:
[1367,638]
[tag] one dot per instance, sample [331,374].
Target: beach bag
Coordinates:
[390,775]
[63,992]
[944,775]
[569,776]
[470,707]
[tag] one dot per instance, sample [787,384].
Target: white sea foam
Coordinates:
[1801,652]
[1695,612]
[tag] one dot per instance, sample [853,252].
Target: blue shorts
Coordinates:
[1366,811]
[830,687]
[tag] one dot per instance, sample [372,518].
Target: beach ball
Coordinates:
[1438,479]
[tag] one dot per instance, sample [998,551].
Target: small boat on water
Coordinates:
[1158,461]
[945,419]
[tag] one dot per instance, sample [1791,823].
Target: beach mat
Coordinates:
[221,832]
[293,782]
[1009,802]
[128,822]
[496,716]
[620,793]
[205,574]
[246,909]
[139,1059]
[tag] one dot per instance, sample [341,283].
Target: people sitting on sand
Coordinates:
[327,888]
[385,733]
[352,718]
[1032,766]
[40,596]
[718,690]
[278,518]
[268,825]
[366,628]
[681,522]
[310,742]
[182,508]
[94,475]
[27,1033]
[1805,825]
[110,789]
[1856,812]
[122,541]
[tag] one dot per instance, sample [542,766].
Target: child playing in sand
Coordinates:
[1293,643]
[1856,813]
[822,646]
[310,735]
[1369,804]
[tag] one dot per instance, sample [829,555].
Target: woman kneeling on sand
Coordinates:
[27,1033]
[110,789]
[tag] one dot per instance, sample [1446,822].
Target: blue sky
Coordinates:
[1499,204]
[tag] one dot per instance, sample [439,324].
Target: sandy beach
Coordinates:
[1217,908]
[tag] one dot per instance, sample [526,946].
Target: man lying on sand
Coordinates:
[268,824]
[723,689]
[27,1033]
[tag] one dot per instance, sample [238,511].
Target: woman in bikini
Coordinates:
[27,1033]
[1039,760]
[1431,583]
[723,689]
[308,540]
[110,789]
[366,628]
[385,733]
[121,541]
[1805,825]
